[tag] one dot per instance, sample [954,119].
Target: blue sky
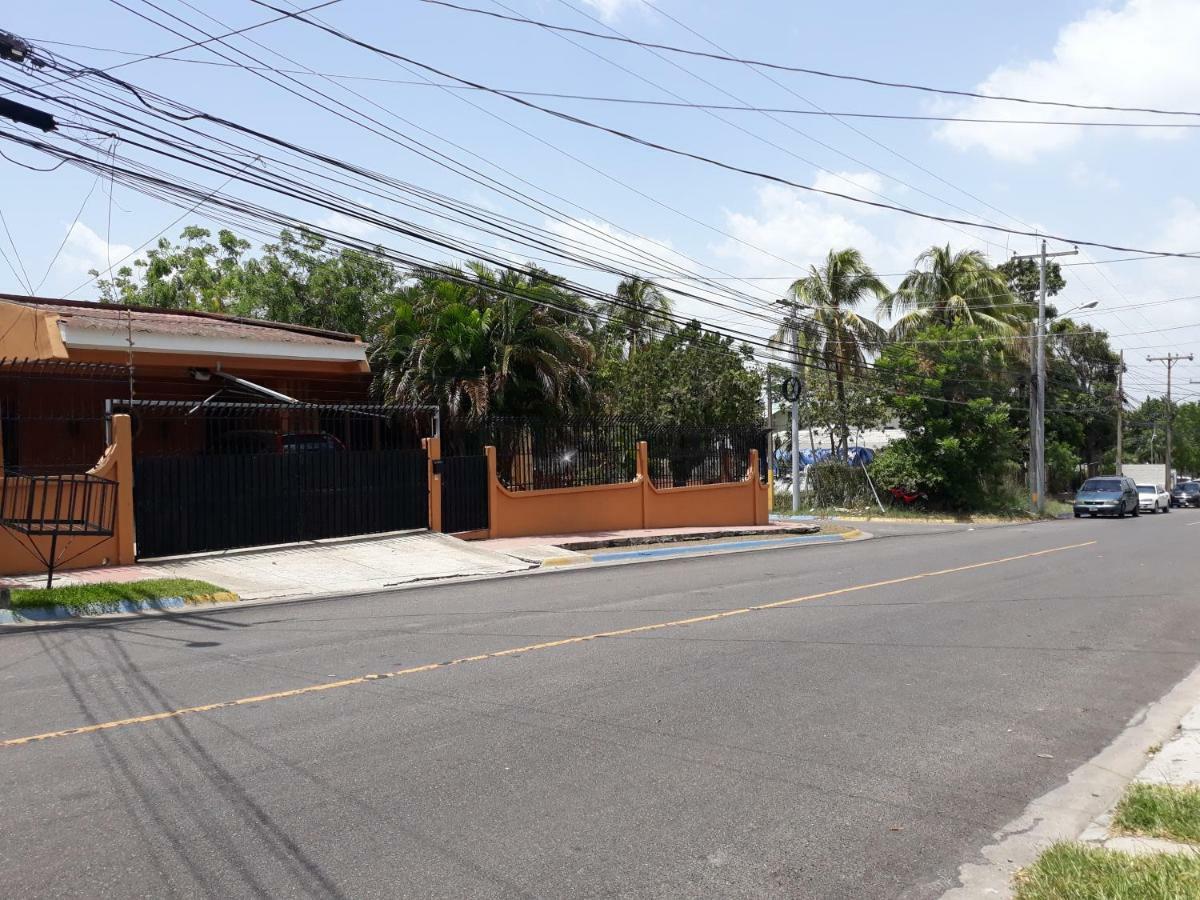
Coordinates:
[1122,186]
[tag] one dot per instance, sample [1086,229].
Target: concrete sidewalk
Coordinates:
[1175,764]
[344,565]
[563,548]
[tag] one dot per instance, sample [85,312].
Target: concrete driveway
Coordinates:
[346,565]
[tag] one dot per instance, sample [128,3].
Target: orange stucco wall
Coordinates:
[634,504]
[27,334]
[83,552]
[606,507]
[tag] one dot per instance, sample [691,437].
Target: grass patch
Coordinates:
[1069,871]
[1158,810]
[1056,508]
[89,596]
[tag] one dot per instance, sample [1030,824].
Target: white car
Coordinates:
[1153,497]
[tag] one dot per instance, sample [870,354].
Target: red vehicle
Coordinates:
[908,499]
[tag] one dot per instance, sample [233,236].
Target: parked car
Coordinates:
[1112,495]
[1153,497]
[1186,494]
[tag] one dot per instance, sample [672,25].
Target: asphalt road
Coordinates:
[862,743]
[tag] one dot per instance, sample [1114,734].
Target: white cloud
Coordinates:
[787,230]
[864,185]
[349,225]
[790,229]
[1084,176]
[610,10]
[84,250]
[659,259]
[1140,54]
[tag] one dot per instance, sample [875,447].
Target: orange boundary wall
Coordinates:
[633,504]
[610,507]
[116,464]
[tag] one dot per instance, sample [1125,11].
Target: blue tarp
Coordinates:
[857,456]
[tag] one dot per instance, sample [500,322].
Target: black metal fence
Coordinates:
[186,504]
[213,476]
[532,455]
[683,456]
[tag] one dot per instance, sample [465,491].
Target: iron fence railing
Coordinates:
[40,505]
[533,455]
[688,456]
[58,507]
[52,413]
[197,428]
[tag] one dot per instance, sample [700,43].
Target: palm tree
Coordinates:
[480,342]
[831,328]
[949,288]
[637,311]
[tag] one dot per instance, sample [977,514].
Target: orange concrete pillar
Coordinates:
[433,453]
[643,475]
[122,442]
[756,492]
[493,493]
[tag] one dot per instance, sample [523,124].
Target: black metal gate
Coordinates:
[464,493]
[214,476]
[186,504]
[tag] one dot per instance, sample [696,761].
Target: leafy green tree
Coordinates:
[840,337]
[1024,280]
[949,288]
[1185,451]
[1146,432]
[861,406]
[1081,395]
[688,377]
[959,443]
[299,279]
[1146,435]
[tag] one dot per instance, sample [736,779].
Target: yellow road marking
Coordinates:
[514,651]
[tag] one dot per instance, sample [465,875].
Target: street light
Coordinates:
[1092,305]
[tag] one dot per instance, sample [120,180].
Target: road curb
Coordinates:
[173,605]
[1065,812]
[100,610]
[651,539]
[780,542]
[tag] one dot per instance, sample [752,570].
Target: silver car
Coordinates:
[1153,498]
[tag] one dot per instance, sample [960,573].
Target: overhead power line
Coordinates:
[730,167]
[293,189]
[841,76]
[630,101]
